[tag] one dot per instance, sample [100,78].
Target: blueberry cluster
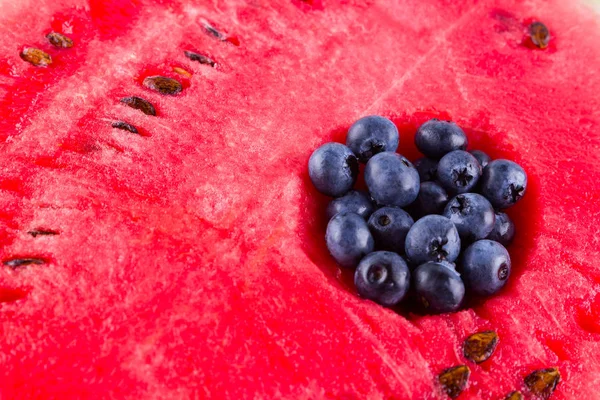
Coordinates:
[434,229]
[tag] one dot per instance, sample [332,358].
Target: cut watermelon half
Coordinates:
[188,261]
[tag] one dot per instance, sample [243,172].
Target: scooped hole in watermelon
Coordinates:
[526,214]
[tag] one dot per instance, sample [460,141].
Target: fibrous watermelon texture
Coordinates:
[187,261]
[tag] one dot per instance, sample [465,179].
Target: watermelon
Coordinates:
[184,258]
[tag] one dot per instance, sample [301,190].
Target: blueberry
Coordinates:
[353,201]
[389,227]
[432,199]
[481,157]
[392,180]
[485,267]
[436,138]
[503,183]
[458,172]
[427,168]
[472,215]
[383,277]
[372,135]
[348,239]
[438,288]
[432,238]
[333,169]
[503,231]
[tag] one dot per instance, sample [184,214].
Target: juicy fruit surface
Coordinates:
[154,283]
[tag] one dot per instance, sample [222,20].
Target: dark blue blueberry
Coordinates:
[472,215]
[333,169]
[432,199]
[482,157]
[392,180]
[438,287]
[503,183]
[432,238]
[372,135]
[485,267]
[503,231]
[436,138]
[348,239]
[458,172]
[427,169]
[353,201]
[383,277]
[389,227]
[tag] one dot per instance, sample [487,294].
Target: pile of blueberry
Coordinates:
[434,228]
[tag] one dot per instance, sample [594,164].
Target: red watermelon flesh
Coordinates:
[189,261]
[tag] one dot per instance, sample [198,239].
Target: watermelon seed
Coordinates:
[212,31]
[163,85]
[516,395]
[15,263]
[36,57]
[139,104]
[542,382]
[540,36]
[202,59]
[182,72]
[42,232]
[125,126]
[59,40]
[480,346]
[454,380]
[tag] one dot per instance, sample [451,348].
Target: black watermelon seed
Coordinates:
[125,126]
[139,104]
[541,383]
[454,380]
[36,57]
[202,59]
[59,40]
[212,31]
[163,85]
[15,263]
[42,232]
[480,346]
[540,35]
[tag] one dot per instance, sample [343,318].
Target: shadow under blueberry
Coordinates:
[526,214]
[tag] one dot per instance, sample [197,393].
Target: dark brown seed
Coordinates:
[42,232]
[202,59]
[542,382]
[15,263]
[36,57]
[124,126]
[540,36]
[480,346]
[212,31]
[454,380]
[139,104]
[163,85]
[516,395]
[59,40]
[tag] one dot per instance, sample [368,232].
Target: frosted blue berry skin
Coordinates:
[354,201]
[348,239]
[432,238]
[503,231]
[472,214]
[392,180]
[389,227]
[485,267]
[383,277]
[372,135]
[438,287]
[503,183]
[437,138]
[333,169]
[458,172]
